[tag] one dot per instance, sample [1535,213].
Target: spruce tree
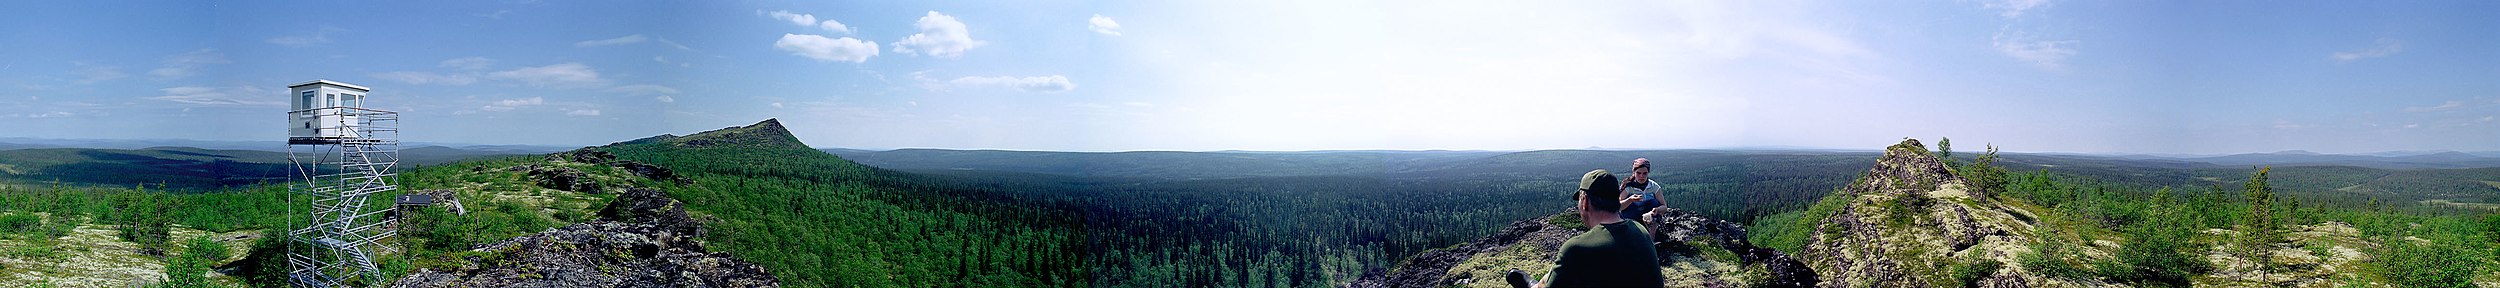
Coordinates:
[2260,223]
[1944,147]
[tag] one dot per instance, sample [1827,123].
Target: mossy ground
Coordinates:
[93,255]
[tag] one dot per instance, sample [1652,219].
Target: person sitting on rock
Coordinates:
[1639,194]
[1613,253]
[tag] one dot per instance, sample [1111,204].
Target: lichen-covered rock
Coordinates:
[646,240]
[645,205]
[567,179]
[1676,230]
[1432,268]
[584,155]
[653,172]
[1908,222]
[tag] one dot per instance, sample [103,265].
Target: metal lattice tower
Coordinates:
[342,156]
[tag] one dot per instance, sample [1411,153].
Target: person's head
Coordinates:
[1598,192]
[1640,168]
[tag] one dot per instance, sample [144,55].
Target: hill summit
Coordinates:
[1910,222]
[767,134]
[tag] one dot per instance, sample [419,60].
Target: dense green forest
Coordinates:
[816,220]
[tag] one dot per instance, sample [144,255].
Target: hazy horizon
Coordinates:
[2033,76]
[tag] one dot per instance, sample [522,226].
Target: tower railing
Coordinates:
[336,176]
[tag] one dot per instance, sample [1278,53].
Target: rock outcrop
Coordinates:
[567,179]
[645,239]
[595,156]
[1694,251]
[1434,268]
[1686,234]
[1909,222]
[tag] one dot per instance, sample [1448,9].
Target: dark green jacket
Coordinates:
[1611,255]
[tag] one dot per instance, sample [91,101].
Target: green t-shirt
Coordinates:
[1612,255]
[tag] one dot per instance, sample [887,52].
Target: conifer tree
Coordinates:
[2260,224]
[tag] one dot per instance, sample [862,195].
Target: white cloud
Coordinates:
[827,49]
[776,104]
[835,26]
[2385,47]
[470,63]
[2015,8]
[318,37]
[664,40]
[2050,54]
[627,39]
[1103,25]
[940,36]
[2450,105]
[222,96]
[793,18]
[185,64]
[565,74]
[1052,83]
[663,92]
[423,78]
[498,14]
[99,74]
[508,105]
[643,89]
[53,114]
[582,112]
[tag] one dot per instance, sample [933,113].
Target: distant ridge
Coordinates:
[768,134]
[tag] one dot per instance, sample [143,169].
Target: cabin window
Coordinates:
[306,103]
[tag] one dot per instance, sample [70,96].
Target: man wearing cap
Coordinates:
[1613,253]
[1639,194]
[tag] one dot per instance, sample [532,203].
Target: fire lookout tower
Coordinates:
[343,154]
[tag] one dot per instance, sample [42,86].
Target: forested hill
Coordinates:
[816,220]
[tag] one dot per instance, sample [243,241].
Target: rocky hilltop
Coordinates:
[767,134]
[1910,222]
[643,238]
[1693,251]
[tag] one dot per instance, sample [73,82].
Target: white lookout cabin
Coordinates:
[325,111]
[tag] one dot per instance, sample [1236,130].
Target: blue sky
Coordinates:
[2029,75]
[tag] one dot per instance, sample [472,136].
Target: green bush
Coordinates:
[1972,268]
[2049,259]
[2160,255]
[190,269]
[2407,263]
[19,223]
[2491,228]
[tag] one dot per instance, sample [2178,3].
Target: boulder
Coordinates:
[584,155]
[567,179]
[653,172]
